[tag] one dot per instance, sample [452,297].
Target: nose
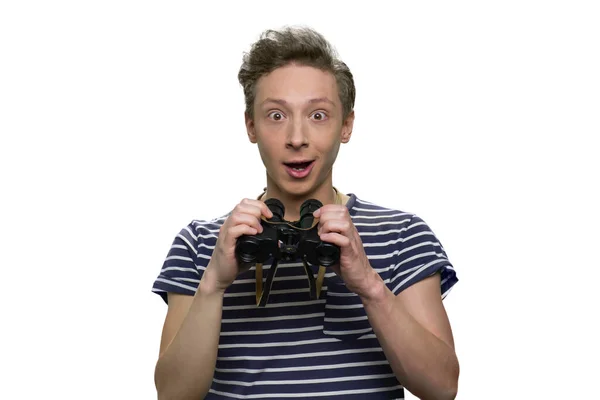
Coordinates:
[297,135]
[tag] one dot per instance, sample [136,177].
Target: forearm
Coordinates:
[422,362]
[185,369]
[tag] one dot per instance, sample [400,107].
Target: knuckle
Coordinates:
[237,219]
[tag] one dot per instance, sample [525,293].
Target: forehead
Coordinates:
[297,84]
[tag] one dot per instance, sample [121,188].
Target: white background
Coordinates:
[121,121]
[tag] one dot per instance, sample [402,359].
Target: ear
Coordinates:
[250,129]
[347,127]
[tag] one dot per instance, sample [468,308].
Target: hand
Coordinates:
[336,227]
[245,219]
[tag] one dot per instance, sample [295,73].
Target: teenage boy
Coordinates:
[378,325]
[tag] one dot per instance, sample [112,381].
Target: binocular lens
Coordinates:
[248,250]
[328,254]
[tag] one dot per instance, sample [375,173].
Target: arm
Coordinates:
[415,335]
[412,327]
[190,339]
[186,365]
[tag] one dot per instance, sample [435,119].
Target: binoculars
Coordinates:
[287,241]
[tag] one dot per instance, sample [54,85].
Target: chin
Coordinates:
[297,191]
[300,189]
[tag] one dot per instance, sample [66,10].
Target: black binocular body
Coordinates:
[288,240]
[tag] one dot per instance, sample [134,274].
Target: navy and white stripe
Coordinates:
[298,347]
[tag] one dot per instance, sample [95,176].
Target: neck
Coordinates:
[325,193]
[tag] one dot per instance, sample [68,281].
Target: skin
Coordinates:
[298,114]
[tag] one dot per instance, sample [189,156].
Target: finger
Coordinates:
[335,225]
[332,211]
[235,232]
[240,218]
[264,209]
[335,238]
[327,208]
[253,208]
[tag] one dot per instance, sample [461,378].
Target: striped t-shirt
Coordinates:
[296,347]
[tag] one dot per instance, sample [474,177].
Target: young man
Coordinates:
[379,324]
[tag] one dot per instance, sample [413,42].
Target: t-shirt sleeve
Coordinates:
[180,272]
[421,255]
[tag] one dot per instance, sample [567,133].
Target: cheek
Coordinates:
[331,152]
[262,153]
[267,149]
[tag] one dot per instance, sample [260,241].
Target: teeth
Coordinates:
[298,169]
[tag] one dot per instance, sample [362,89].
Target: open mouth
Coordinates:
[301,166]
[299,170]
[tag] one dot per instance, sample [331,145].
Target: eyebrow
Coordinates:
[311,101]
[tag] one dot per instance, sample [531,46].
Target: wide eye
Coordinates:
[319,116]
[275,115]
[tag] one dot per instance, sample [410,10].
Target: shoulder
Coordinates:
[401,245]
[197,239]
[205,228]
[186,260]
[371,217]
